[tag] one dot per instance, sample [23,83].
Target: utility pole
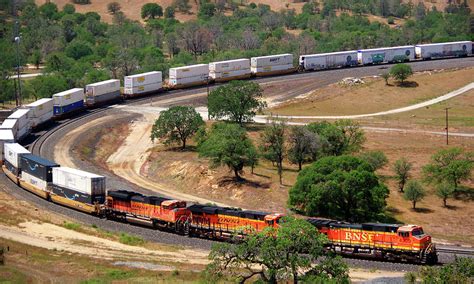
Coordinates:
[207,85]
[447,131]
[17,41]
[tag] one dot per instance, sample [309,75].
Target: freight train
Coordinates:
[49,181]
[87,192]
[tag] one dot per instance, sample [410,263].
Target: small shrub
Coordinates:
[94,226]
[391,20]
[117,274]
[71,226]
[131,240]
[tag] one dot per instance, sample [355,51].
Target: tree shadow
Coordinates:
[190,148]
[408,84]
[242,181]
[393,210]
[451,207]
[422,210]
[464,194]
[261,175]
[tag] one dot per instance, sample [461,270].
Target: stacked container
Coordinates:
[386,54]
[78,185]
[10,124]
[328,60]
[189,75]
[230,70]
[6,136]
[142,83]
[12,155]
[446,49]
[68,101]
[272,64]
[41,111]
[36,170]
[102,92]
[23,126]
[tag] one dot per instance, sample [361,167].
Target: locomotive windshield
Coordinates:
[418,232]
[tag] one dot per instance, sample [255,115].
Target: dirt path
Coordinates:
[436,100]
[61,150]
[127,161]
[53,237]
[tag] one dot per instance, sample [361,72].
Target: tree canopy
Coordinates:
[176,124]
[339,187]
[402,168]
[452,165]
[414,192]
[304,145]
[228,144]
[401,72]
[289,254]
[341,137]
[151,11]
[273,146]
[238,101]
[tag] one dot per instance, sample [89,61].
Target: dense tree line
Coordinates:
[80,47]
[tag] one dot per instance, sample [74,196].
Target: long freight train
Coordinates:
[87,192]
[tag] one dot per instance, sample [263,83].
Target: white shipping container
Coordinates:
[229,74]
[101,88]
[23,117]
[271,60]
[68,97]
[386,54]
[80,181]
[272,69]
[191,71]
[142,89]
[148,78]
[446,49]
[229,65]
[22,132]
[10,124]
[328,60]
[42,184]
[13,152]
[40,108]
[6,136]
[189,80]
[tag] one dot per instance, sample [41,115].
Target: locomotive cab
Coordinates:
[273,220]
[413,236]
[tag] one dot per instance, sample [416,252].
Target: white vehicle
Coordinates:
[386,55]
[13,152]
[446,49]
[328,60]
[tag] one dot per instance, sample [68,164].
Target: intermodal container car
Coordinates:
[102,92]
[41,111]
[386,55]
[446,49]
[328,60]
[68,101]
[79,186]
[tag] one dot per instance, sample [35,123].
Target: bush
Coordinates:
[131,240]
[391,20]
[71,226]
[401,72]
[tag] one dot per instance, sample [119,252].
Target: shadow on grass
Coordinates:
[190,148]
[408,84]
[422,210]
[464,194]
[235,181]
[451,207]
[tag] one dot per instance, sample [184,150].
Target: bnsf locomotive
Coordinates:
[87,192]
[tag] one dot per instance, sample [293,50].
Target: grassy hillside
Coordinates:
[132,8]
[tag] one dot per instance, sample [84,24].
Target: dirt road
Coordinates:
[53,237]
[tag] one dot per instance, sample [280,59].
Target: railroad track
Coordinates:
[325,77]
[455,250]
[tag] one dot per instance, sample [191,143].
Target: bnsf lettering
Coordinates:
[228,220]
[351,236]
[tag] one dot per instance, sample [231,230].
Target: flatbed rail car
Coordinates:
[381,241]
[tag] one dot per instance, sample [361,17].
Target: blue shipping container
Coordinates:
[59,110]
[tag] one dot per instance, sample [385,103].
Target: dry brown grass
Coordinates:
[375,96]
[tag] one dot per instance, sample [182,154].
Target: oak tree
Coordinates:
[273,146]
[339,187]
[238,101]
[402,168]
[176,124]
[304,145]
[414,192]
[228,144]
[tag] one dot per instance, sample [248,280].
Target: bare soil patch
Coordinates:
[374,95]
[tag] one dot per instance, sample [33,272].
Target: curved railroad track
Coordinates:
[37,146]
